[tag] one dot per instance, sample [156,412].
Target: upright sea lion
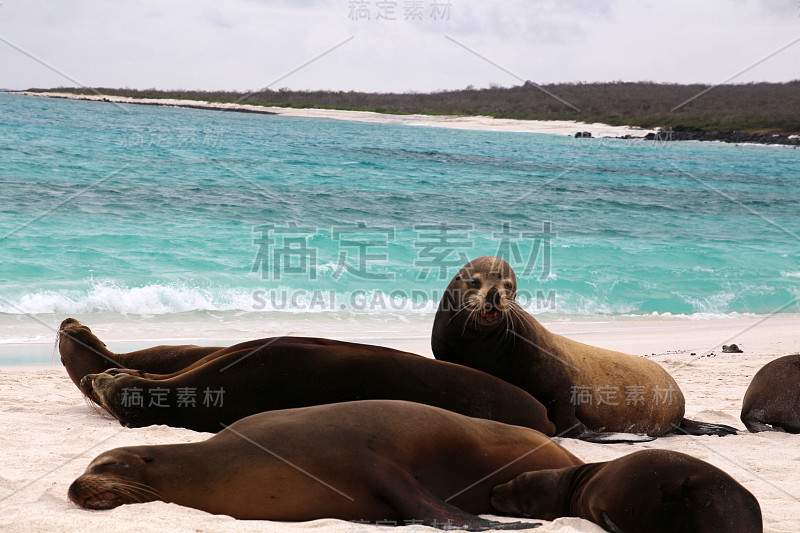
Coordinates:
[369,460]
[585,389]
[772,401]
[657,491]
[287,372]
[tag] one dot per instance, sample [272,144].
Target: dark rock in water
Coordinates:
[583,134]
[731,349]
[688,133]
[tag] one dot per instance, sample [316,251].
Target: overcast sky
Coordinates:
[404,45]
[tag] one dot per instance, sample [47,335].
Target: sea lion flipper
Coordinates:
[410,498]
[613,437]
[692,427]
[609,524]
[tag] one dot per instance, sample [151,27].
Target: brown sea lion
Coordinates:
[585,389]
[772,401]
[653,491]
[83,353]
[369,460]
[288,372]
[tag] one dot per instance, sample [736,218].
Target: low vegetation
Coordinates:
[753,107]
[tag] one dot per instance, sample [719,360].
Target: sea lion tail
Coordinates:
[692,427]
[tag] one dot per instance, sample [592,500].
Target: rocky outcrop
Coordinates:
[688,133]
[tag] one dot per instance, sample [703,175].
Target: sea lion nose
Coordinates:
[493,297]
[495,498]
[86,384]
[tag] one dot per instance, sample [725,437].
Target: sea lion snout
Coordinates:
[493,297]
[90,384]
[493,303]
[504,499]
[114,478]
[69,323]
[87,384]
[93,492]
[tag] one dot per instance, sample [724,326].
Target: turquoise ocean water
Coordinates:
[165,216]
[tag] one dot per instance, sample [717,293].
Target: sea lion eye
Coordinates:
[475,283]
[114,464]
[508,285]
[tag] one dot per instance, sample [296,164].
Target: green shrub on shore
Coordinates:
[754,107]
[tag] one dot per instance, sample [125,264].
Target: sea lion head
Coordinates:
[485,289]
[114,478]
[543,494]
[81,351]
[118,392]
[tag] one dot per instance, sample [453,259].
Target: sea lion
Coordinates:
[287,372]
[83,353]
[369,460]
[657,491]
[772,401]
[585,389]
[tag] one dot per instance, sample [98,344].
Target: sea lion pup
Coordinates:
[83,353]
[772,401]
[288,372]
[368,460]
[585,389]
[654,491]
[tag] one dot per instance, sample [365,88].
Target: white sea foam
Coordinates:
[169,299]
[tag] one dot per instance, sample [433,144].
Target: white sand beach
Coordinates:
[555,127]
[50,433]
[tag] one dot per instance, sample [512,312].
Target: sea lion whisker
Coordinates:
[96,407]
[510,325]
[462,308]
[140,488]
[467,322]
[138,494]
[473,316]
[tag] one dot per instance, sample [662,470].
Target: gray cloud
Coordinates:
[245,44]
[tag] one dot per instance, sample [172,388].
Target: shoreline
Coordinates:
[475,123]
[571,128]
[692,340]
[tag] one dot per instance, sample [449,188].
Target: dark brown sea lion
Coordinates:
[772,401]
[370,460]
[585,389]
[653,491]
[83,353]
[288,372]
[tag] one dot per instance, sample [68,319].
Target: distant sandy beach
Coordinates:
[52,434]
[554,127]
